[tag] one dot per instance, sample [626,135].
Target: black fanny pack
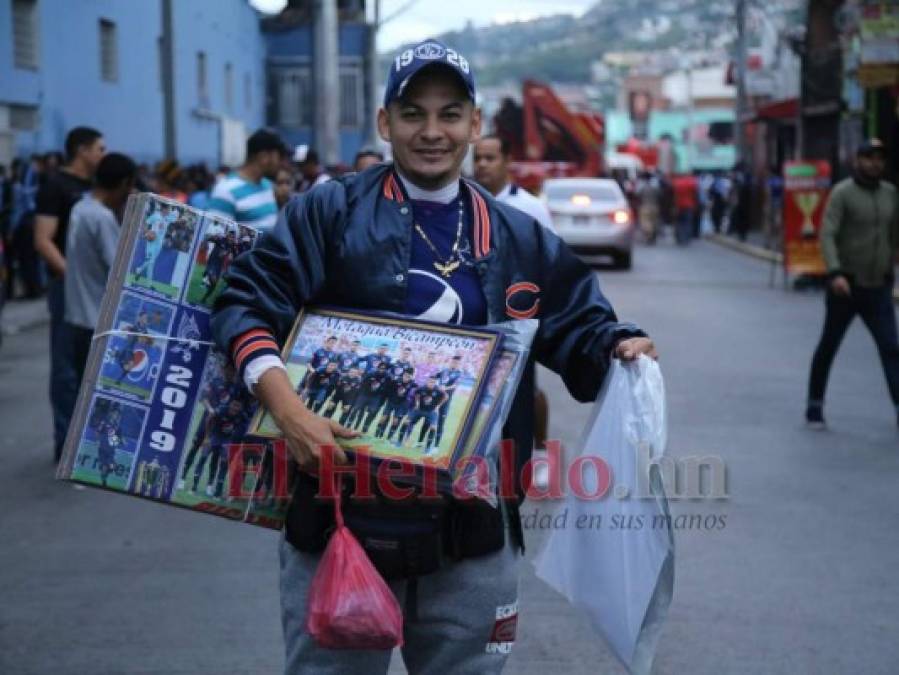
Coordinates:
[403,540]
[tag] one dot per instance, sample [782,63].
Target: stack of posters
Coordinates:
[161,413]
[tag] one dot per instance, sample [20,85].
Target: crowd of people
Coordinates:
[695,204]
[28,274]
[61,214]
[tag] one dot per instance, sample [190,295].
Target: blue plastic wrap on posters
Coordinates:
[479,478]
[623,577]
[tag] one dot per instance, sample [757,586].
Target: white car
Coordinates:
[592,216]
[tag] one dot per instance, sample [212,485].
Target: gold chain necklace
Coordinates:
[452,263]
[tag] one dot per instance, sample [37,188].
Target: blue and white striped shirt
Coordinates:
[251,204]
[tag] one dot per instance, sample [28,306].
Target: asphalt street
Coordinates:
[801,580]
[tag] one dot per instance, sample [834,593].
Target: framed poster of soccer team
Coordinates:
[412,389]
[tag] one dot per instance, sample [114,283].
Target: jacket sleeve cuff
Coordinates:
[250,345]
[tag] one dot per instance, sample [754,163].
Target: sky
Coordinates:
[426,18]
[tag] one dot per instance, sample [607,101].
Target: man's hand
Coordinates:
[630,349]
[840,286]
[304,432]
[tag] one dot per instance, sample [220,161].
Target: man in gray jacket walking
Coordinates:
[859,237]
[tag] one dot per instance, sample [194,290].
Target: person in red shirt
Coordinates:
[686,201]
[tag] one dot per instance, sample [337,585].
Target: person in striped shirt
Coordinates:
[247,195]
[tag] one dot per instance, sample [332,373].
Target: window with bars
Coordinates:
[351,97]
[22,117]
[202,88]
[294,97]
[109,51]
[229,86]
[25,34]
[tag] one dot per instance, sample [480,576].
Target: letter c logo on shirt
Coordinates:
[522,300]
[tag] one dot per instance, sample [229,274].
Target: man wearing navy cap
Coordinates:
[413,237]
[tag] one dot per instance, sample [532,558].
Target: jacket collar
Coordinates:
[392,189]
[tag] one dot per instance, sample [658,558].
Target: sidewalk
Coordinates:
[753,246]
[22,315]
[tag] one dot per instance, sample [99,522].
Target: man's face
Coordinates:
[490,167]
[430,128]
[330,343]
[871,166]
[92,154]
[284,185]
[270,162]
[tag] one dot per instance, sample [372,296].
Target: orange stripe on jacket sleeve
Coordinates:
[243,338]
[246,351]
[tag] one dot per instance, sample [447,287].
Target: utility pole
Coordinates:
[742,108]
[371,115]
[326,68]
[167,49]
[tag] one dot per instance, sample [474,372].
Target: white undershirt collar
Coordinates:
[444,195]
[505,192]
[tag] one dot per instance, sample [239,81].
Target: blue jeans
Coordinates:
[63,374]
[875,307]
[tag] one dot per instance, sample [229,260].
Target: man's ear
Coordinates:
[383,125]
[475,125]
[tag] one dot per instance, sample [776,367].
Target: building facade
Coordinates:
[100,63]
[290,41]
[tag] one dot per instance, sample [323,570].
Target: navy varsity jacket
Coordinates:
[347,243]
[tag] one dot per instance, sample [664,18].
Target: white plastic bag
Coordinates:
[618,565]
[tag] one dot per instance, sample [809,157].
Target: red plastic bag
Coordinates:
[350,604]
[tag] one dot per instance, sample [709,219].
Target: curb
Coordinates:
[759,252]
[747,249]
[14,320]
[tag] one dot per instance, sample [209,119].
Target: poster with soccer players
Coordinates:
[161,250]
[219,243]
[107,449]
[161,415]
[136,346]
[410,388]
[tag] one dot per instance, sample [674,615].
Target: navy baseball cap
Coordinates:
[872,146]
[428,53]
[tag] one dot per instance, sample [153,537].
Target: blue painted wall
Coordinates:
[67,85]
[69,91]
[228,32]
